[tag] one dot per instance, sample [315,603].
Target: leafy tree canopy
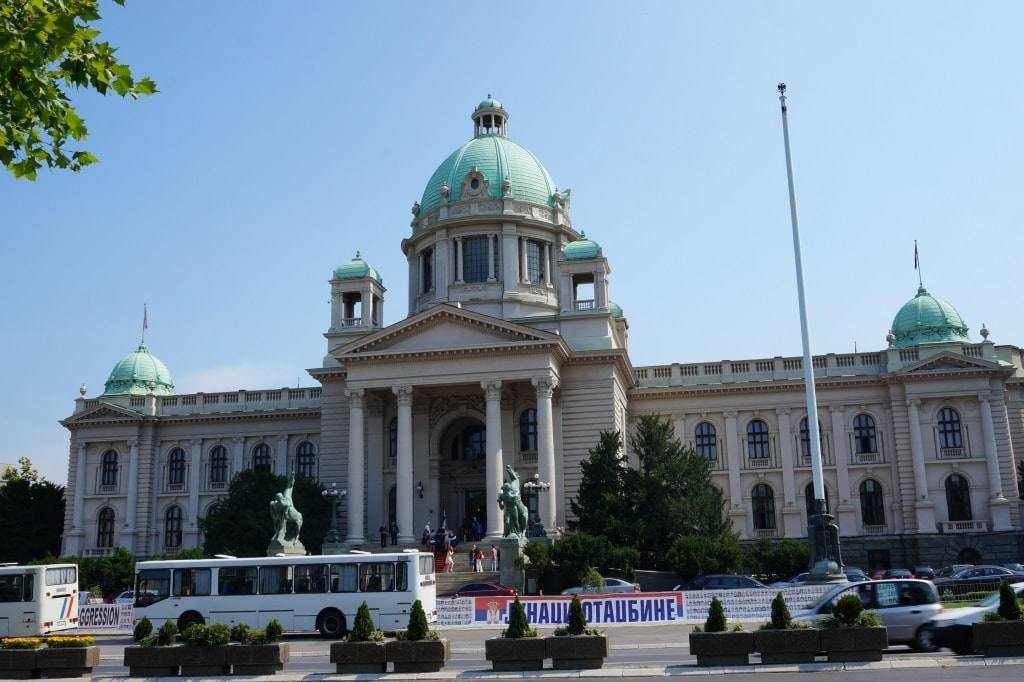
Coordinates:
[31,514]
[48,47]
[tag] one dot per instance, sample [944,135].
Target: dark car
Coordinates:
[976,579]
[481,590]
[855,575]
[947,571]
[1015,567]
[898,573]
[924,572]
[721,581]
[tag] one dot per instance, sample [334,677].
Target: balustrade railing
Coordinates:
[959,527]
[584,304]
[876,530]
[178,483]
[114,488]
[761,533]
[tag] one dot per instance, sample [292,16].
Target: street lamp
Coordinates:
[334,494]
[538,530]
[822,533]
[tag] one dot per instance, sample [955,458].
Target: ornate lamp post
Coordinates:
[538,530]
[822,533]
[334,494]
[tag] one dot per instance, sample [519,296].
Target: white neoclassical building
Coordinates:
[513,354]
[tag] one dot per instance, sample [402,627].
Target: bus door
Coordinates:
[276,599]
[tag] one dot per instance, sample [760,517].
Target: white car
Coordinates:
[611,585]
[126,597]
[952,628]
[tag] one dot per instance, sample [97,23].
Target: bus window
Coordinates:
[344,577]
[275,579]
[376,577]
[10,588]
[191,582]
[310,578]
[61,576]
[29,587]
[426,565]
[152,585]
[236,580]
[401,579]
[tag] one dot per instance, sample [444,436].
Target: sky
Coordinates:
[288,135]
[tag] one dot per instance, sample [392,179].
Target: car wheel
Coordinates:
[331,624]
[923,639]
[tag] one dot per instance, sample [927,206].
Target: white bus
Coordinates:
[303,593]
[37,600]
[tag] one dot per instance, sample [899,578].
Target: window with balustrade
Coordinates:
[958,498]
[108,469]
[951,433]
[872,504]
[528,430]
[172,527]
[809,500]
[705,440]
[758,441]
[261,457]
[865,436]
[105,528]
[305,460]
[474,259]
[762,499]
[176,467]
[219,464]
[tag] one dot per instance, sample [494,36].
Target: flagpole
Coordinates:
[145,323]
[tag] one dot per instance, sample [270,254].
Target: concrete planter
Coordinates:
[527,653]
[18,664]
[787,646]
[67,662]
[359,657]
[999,638]
[577,652]
[421,656]
[722,648]
[202,661]
[258,659]
[853,644]
[152,661]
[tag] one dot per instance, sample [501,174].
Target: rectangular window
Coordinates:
[376,577]
[344,577]
[311,579]
[191,582]
[275,579]
[29,588]
[10,588]
[474,259]
[401,576]
[237,580]
[426,565]
[427,270]
[535,265]
[152,585]
[61,576]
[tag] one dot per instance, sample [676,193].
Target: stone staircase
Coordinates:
[449,582]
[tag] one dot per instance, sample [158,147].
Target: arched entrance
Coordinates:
[462,455]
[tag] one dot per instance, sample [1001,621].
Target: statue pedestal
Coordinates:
[511,575]
[290,549]
[333,548]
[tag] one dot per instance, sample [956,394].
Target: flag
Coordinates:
[915,255]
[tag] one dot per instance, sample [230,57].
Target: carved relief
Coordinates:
[475,184]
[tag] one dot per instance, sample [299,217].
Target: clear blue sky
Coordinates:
[287,135]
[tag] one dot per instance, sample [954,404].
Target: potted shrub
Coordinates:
[852,634]
[518,648]
[19,657]
[205,650]
[257,652]
[155,656]
[68,656]
[1002,632]
[577,646]
[418,649]
[714,645]
[363,650]
[783,641]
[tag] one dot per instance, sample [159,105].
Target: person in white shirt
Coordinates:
[494,557]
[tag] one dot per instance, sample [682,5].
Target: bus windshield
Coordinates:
[153,584]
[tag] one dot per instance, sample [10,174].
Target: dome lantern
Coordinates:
[490,118]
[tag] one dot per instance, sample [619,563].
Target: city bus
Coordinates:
[38,600]
[303,593]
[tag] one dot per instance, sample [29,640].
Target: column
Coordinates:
[403,467]
[442,258]
[565,292]
[841,448]
[547,264]
[336,312]
[490,258]
[600,291]
[545,451]
[133,495]
[998,504]
[237,456]
[495,519]
[367,306]
[411,259]
[524,271]
[375,499]
[737,513]
[195,470]
[509,257]
[80,486]
[923,507]
[356,455]
[458,260]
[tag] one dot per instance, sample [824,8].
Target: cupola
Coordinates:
[490,118]
[139,373]
[582,249]
[927,319]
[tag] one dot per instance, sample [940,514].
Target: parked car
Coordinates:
[924,572]
[898,573]
[796,581]
[947,571]
[878,573]
[1016,568]
[721,581]
[855,575]
[611,585]
[976,579]
[126,597]
[952,628]
[904,605]
[481,590]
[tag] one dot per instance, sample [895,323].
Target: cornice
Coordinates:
[782,386]
[517,348]
[213,417]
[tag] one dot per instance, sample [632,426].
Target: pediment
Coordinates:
[103,412]
[948,362]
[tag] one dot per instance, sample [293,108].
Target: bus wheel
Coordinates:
[189,618]
[331,624]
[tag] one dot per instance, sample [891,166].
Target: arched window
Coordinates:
[393,438]
[105,528]
[757,440]
[528,430]
[219,464]
[108,472]
[706,441]
[470,444]
[865,437]
[958,498]
[951,434]
[172,527]
[872,503]
[809,500]
[261,457]
[305,460]
[176,467]
[805,439]
[763,501]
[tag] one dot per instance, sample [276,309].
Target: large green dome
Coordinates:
[496,157]
[133,374]
[927,319]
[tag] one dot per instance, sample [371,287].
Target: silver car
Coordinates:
[905,607]
[611,585]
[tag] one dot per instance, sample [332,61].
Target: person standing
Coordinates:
[449,561]
[394,533]
[383,537]
[494,557]
[479,560]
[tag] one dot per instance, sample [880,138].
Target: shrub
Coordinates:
[716,617]
[577,622]
[274,630]
[196,634]
[148,640]
[255,636]
[239,633]
[217,634]
[22,642]
[143,629]
[364,630]
[593,581]
[517,625]
[848,608]
[166,634]
[69,641]
[849,613]
[781,620]
[96,592]
[1008,609]
[418,628]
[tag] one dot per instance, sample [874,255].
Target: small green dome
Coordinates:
[615,310]
[496,158]
[489,103]
[582,249]
[927,319]
[133,374]
[356,268]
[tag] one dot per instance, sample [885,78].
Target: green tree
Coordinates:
[716,617]
[781,618]
[31,514]
[518,626]
[112,573]
[576,554]
[1009,608]
[418,628]
[690,556]
[577,624]
[240,523]
[364,630]
[48,47]
[779,560]
[600,504]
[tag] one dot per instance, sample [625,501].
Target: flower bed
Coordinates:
[56,656]
[207,650]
